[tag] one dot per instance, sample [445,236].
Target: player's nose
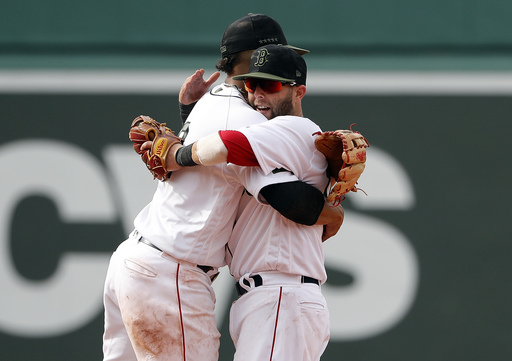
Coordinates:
[258,92]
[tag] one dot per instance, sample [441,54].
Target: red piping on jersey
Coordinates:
[239,149]
[181,314]
[277,319]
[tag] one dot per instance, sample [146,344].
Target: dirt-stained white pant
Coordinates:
[157,309]
[280,323]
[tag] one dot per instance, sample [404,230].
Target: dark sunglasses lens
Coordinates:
[250,85]
[271,86]
[268,86]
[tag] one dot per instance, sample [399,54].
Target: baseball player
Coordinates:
[159,303]
[281,314]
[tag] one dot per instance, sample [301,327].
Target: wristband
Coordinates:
[184,156]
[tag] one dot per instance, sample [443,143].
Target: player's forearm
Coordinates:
[217,148]
[330,214]
[332,219]
[185,110]
[209,150]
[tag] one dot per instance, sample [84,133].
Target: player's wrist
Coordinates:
[183,156]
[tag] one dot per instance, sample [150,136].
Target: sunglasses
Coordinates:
[268,86]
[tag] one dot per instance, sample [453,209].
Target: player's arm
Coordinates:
[297,201]
[304,204]
[229,146]
[192,90]
[185,110]
[209,150]
[331,218]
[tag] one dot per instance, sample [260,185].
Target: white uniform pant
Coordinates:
[280,323]
[157,309]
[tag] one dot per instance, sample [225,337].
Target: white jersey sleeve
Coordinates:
[254,179]
[287,143]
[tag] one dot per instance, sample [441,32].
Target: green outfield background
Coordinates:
[420,271]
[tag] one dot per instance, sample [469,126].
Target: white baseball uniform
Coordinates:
[283,314]
[159,305]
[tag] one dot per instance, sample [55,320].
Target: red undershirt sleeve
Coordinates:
[239,149]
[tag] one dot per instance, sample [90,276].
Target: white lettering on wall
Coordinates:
[378,255]
[78,185]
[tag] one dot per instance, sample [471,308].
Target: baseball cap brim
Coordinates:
[298,50]
[262,76]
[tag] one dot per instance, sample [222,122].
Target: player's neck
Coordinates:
[229,80]
[297,111]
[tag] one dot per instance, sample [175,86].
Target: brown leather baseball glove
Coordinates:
[144,129]
[345,151]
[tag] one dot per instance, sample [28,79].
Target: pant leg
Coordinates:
[280,323]
[116,342]
[167,308]
[303,328]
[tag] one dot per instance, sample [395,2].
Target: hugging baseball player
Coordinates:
[279,268]
[159,303]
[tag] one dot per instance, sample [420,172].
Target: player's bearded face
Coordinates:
[274,104]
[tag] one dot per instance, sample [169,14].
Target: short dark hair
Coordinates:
[228,63]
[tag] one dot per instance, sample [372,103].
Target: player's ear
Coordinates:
[300,91]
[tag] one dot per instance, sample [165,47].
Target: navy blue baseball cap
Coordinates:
[276,62]
[251,32]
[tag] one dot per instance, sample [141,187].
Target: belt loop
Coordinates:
[246,282]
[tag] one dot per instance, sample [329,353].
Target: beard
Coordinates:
[276,107]
[283,107]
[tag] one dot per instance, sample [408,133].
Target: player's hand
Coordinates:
[332,219]
[170,160]
[195,86]
[146,145]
